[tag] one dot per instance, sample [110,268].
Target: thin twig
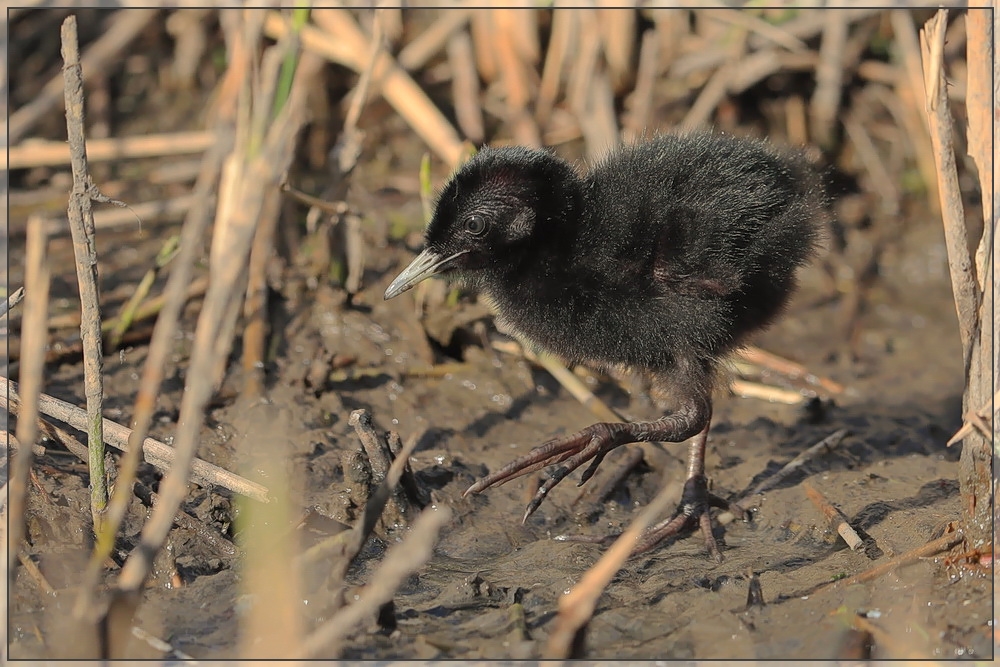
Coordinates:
[11,301]
[156,453]
[835,517]
[942,543]
[81,222]
[977,419]
[822,447]
[145,212]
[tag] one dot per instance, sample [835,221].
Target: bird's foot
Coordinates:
[696,501]
[572,451]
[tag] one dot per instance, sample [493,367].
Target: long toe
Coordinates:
[592,442]
[694,510]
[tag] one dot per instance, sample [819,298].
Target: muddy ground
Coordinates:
[492,588]
[892,476]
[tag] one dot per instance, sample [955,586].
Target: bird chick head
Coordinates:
[491,212]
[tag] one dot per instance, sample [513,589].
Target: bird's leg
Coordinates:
[694,505]
[594,443]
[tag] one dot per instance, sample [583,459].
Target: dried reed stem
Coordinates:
[37,153]
[577,607]
[963,276]
[250,177]
[34,335]
[81,222]
[834,517]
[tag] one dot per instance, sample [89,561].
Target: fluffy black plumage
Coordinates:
[662,258]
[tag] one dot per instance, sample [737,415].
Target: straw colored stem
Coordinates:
[38,153]
[577,607]
[465,87]
[434,38]
[939,120]
[349,47]
[34,335]
[564,26]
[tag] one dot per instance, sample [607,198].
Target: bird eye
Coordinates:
[475,224]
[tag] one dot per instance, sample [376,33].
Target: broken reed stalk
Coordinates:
[402,560]
[34,335]
[174,298]
[970,291]
[81,222]
[247,178]
[577,607]
[836,519]
[939,118]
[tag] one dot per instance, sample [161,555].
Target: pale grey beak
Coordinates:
[423,266]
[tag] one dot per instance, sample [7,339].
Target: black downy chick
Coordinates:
[662,259]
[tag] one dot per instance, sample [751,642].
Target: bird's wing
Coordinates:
[692,258]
